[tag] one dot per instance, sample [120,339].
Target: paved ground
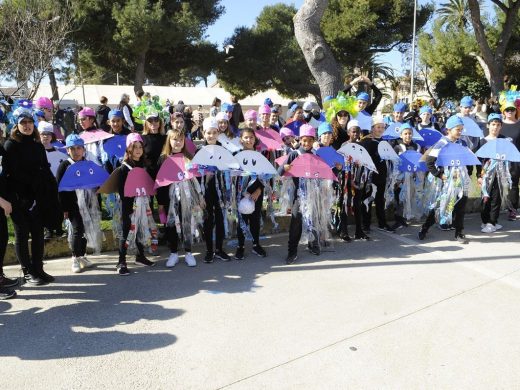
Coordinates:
[391,313]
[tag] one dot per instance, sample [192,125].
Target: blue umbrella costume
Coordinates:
[448,181]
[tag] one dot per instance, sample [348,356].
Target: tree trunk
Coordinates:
[494,61]
[317,53]
[139,71]
[54,85]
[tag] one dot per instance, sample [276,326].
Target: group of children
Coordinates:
[325,175]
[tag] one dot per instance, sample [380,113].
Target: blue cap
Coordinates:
[405,126]
[363,96]
[466,101]
[293,107]
[269,102]
[494,117]
[74,140]
[400,107]
[454,121]
[115,113]
[39,113]
[327,98]
[226,107]
[425,109]
[24,115]
[323,128]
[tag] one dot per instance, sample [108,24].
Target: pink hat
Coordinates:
[44,102]
[265,109]
[87,111]
[133,137]
[250,114]
[307,130]
[286,132]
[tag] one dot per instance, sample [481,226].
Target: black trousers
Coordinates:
[458,216]
[295,232]
[515,179]
[380,205]
[28,223]
[214,219]
[4,237]
[126,222]
[253,221]
[357,203]
[490,209]
[343,201]
[79,242]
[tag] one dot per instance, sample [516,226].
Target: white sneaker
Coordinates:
[76,266]
[85,263]
[190,259]
[489,228]
[498,227]
[172,260]
[482,225]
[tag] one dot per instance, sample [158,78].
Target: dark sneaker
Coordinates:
[366,228]
[239,255]
[259,251]
[47,235]
[315,250]
[512,215]
[361,236]
[7,282]
[399,225]
[122,270]
[461,238]
[386,228]
[222,256]
[34,279]
[345,237]
[144,261]
[6,293]
[46,277]
[444,227]
[421,235]
[291,258]
[208,258]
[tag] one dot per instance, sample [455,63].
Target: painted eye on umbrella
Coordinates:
[409,167]
[307,174]
[316,175]
[91,171]
[397,130]
[458,162]
[415,168]
[180,175]
[211,157]
[503,157]
[220,157]
[245,161]
[78,173]
[452,162]
[253,162]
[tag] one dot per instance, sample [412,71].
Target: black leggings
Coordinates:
[28,223]
[79,242]
[214,219]
[458,216]
[380,206]
[253,220]
[491,208]
[4,237]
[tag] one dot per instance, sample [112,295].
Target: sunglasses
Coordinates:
[153,120]
[510,109]
[342,115]
[26,122]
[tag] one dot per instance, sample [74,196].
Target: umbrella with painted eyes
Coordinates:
[394,132]
[59,146]
[499,149]
[94,136]
[82,175]
[115,147]
[454,155]
[55,158]
[386,152]
[215,156]
[139,183]
[471,129]
[174,169]
[268,139]
[430,137]
[410,161]
[330,156]
[252,162]
[233,145]
[358,154]
[295,127]
[310,166]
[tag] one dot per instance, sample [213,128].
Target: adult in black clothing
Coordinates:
[25,168]
[102,114]
[371,143]
[511,129]
[237,116]
[339,129]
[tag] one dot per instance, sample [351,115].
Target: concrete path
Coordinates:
[392,313]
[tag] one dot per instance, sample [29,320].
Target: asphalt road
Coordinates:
[392,313]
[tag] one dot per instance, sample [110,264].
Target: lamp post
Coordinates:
[412,72]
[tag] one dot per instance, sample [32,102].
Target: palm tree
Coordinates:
[455,14]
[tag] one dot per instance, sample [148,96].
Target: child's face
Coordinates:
[210,135]
[222,125]
[455,132]
[354,133]
[361,105]
[326,138]
[425,117]
[177,123]
[116,124]
[86,122]
[288,140]
[266,119]
[494,128]
[76,152]
[274,118]
[378,129]
[465,111]
[398,116]
[177,143]
[137,151]
[153,125]
[251,122]
[46,138]
[248,140]
[406,136]
[306,142]
[298,115]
